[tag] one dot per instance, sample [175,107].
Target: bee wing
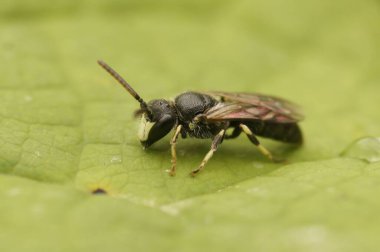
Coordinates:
[251,106]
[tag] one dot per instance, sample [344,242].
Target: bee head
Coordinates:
[157,120]
[158,117]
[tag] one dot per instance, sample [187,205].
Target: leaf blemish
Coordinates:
[99,191]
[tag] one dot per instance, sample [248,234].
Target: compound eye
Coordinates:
[155,131]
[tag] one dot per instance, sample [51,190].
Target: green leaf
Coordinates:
[73,176]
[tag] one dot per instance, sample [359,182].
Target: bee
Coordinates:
[208,115]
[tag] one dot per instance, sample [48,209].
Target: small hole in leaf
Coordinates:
[99,191]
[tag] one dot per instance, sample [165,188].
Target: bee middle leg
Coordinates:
[216,141]
[256,142]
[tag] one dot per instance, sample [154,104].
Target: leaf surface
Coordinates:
[66,127]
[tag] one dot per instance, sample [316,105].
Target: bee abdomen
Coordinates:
[285,132]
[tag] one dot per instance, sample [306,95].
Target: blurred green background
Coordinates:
[66,128]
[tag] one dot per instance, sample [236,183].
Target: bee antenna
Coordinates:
[123,83]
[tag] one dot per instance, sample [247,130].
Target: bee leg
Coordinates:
[216,141]
[235,133]
[256,142]
[173,143]
[183,134]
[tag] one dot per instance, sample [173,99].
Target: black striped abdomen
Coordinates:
[285,132]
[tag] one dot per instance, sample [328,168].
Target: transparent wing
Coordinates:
[251,106]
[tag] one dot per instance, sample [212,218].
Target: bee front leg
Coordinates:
[173,143]
[216,141]
[256,142]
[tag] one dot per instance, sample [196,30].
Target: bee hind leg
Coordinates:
[235,133]
[256,142]
[216,141]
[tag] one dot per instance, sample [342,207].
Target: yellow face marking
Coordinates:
[144,128]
